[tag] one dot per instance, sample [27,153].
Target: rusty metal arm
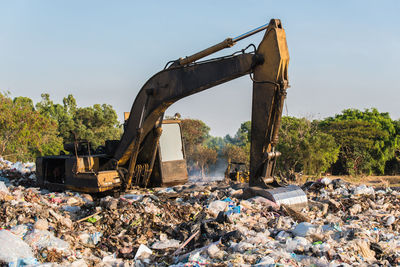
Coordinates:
[171,85]
[269,91]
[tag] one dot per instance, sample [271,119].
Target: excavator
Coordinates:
[150,151]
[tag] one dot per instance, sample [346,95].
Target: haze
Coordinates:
[344,54]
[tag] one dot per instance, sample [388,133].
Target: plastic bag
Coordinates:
[39,239]
[143,252]
[304,229]
[13,249]
[216,206]
[3,188]
[167,190]
[92,238]
[169,243]
[364,190]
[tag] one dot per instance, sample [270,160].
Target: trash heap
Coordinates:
[197,224]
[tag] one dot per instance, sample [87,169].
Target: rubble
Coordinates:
[196,224]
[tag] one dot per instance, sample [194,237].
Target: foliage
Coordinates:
[236,153]
[304,147]
[195,135]
[194,132]
[242,137]
[368,139]
[238,147]
[95,124]
[216,143]
[353,142]
[24,132]
[203,157]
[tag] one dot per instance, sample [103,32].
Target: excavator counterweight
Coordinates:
[143,154]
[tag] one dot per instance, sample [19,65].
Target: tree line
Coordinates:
[28,130]
[353,142]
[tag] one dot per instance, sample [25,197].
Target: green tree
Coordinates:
[239,143]
[368,140]
[242,137]
[24,132]
[375,139]
[194,132]
[95,124]
[304,147]
[356,139]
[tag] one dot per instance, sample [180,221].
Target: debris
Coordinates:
[390,220]
[326,181]
[40,239]
[186,242]
[143,252]
[365,251]
[88,217]
[213,250]
[203,223]
[297,216]
[265,261]
[3,188]
[167,190]
[355,209]
[164,244]
[364,190]
[41,224]
[304,229]
[216,206]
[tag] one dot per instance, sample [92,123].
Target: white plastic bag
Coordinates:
[12,248]
[39,239]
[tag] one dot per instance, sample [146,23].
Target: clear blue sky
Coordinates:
[344,54]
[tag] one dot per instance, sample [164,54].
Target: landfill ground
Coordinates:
[211,223]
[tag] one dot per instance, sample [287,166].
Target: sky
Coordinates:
[343,54]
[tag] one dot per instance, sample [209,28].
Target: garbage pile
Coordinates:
[197,224]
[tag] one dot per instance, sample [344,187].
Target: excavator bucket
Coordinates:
[270,82]
[291,195]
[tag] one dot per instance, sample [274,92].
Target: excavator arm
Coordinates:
[268,67]
[171,85]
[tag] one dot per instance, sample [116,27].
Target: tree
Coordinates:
[238,147]
[368,140]
[24,132]
[194,132]
[242,137]
[236,154]
[304,147]
[203,157]
[201,149]
[95,124]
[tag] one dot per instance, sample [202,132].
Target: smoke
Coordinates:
[216,172]
[198,179]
